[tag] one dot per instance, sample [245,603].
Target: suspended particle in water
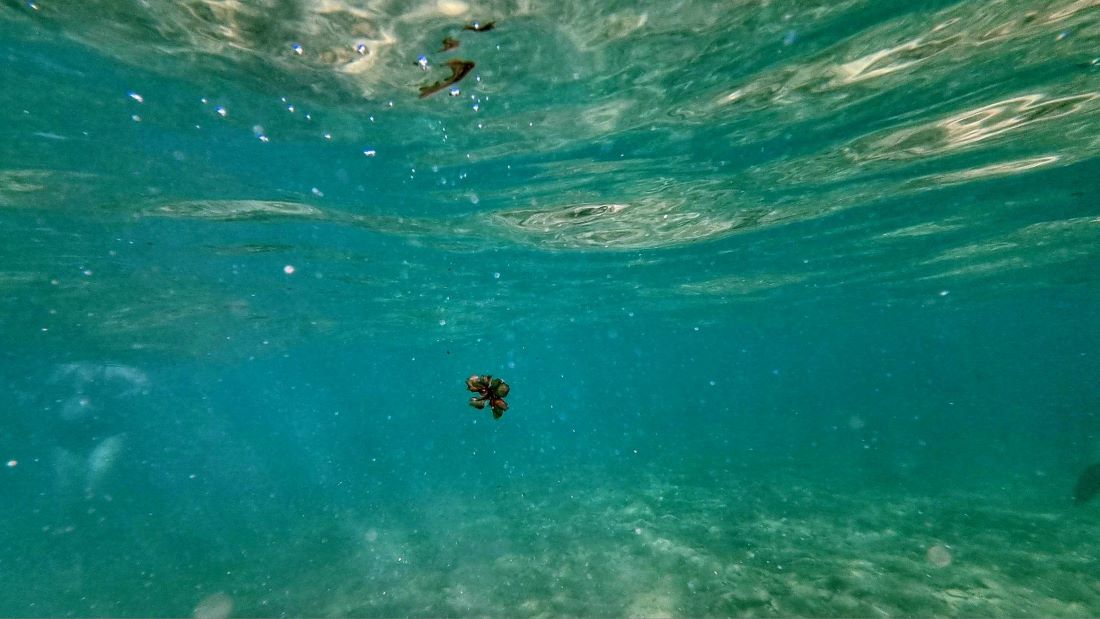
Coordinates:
[297,47]
[135,118]
[422,62]
[289,269]
[221,111]
[454,92]
[476,107]
[264,138]
[317,192]
[370,152]
[12,464]
[442,322]
[290,108]
[136,97]
[361,48]
[326,135]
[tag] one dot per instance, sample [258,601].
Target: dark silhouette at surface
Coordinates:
[459,70]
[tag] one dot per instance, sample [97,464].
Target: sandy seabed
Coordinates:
[656,545]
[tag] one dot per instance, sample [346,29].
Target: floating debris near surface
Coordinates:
[449,43]
[459,70]
[480,27]
[491,390]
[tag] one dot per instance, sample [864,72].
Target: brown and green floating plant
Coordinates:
[491,390]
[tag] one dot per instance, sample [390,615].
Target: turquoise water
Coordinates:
[799,303]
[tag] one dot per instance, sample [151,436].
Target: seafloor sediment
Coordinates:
[657,545]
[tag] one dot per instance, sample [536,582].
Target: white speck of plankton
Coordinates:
[289,269]
[136,97]
[370,152]
[12,464]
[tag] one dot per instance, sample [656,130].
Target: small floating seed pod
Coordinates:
[493,384]
[478,403]
[502,390]
[498,403]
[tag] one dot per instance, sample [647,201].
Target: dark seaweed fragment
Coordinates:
[459,70]
[449,43]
